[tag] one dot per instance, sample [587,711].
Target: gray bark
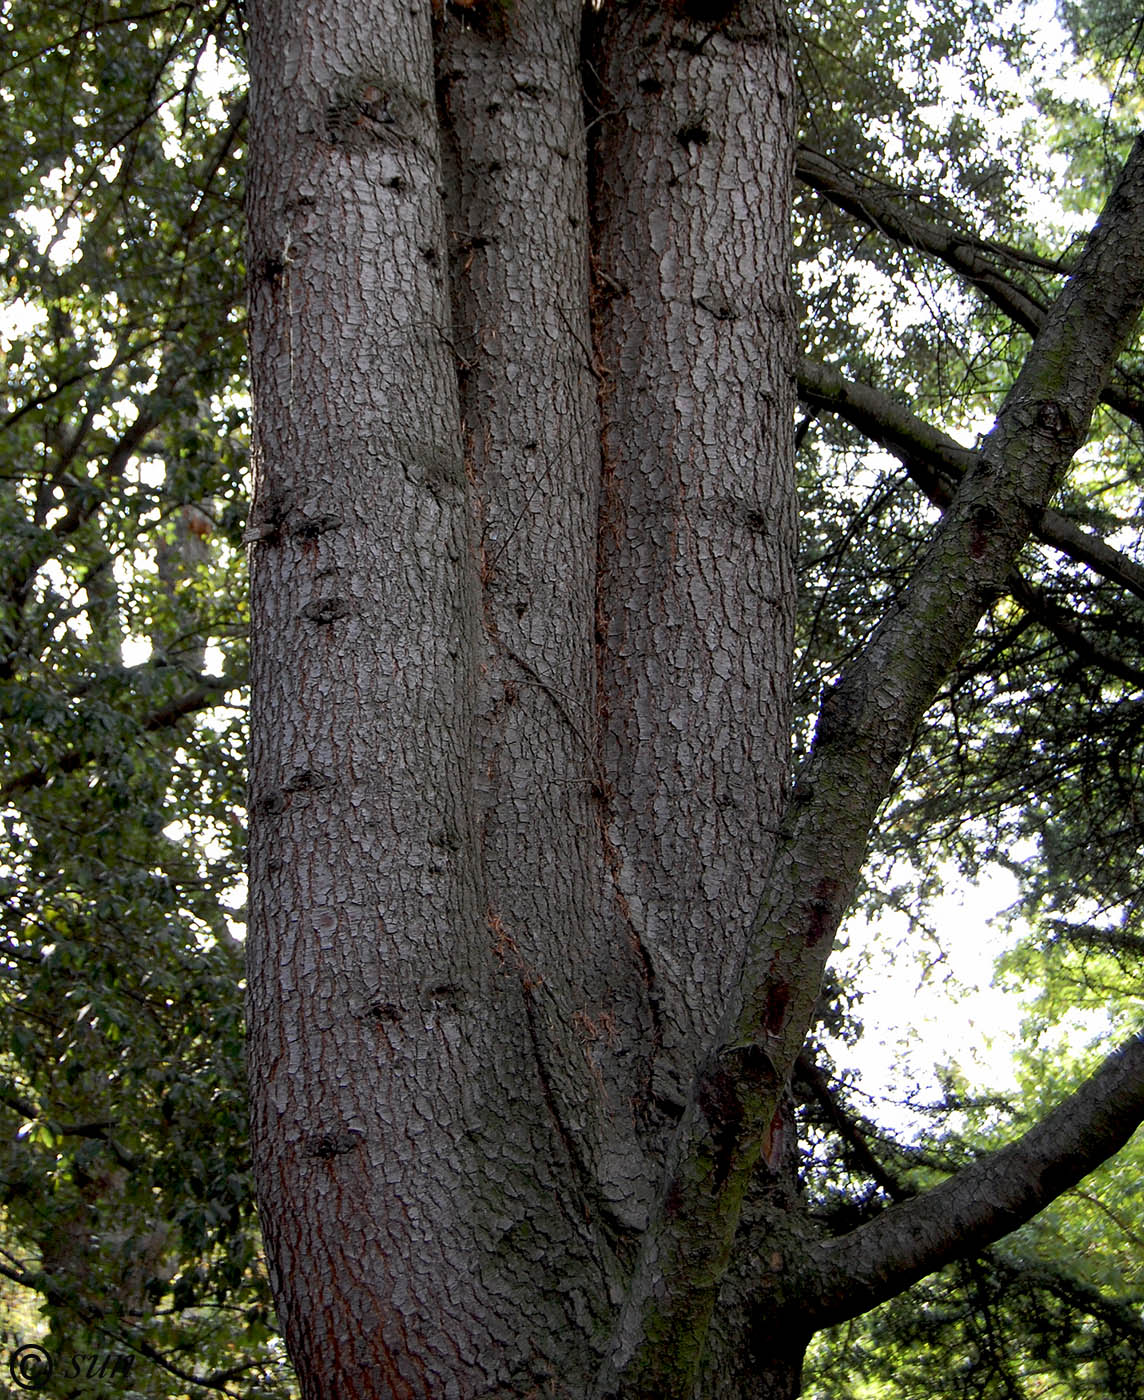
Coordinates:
[697,530]
[517,162]
[937,462]
[522,556]
[368,969]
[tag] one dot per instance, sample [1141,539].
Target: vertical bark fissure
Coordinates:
[695,332]
[758,1335]
[512,104]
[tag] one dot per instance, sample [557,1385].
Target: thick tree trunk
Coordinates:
[522,559]
[432,1006]
[464,1049]
[366,916]
[697,539]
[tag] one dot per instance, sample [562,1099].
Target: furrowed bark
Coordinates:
[864,729]
[513,107]
[695,328]
[371,1014]
[503,887]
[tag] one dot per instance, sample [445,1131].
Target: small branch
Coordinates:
[974,259]
[884,210]
[199,697]
[849,1130]
[1064,627]
[937,463]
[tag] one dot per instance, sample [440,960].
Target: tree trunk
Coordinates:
[535,930]
[485,945]
[428,998]
[697,529]
[517,181]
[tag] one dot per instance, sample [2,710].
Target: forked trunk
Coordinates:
[536,934]
[514,773]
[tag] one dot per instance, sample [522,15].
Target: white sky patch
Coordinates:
[214,659]
[234,902]
[930,1001]
[18,318]
[135,651]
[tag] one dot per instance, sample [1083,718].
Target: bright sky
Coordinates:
[928,1004]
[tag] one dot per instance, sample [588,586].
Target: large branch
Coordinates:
[937,462]
[979,262]
[985,1200]
[867,723]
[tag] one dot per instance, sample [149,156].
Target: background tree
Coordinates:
[125,1178]
[609,783]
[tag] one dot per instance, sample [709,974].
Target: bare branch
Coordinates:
[979,262]
[985,1200]
[868,719]
[937,462]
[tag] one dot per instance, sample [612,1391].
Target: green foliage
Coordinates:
[124,1175]
[952,1337]
[1033,756]
[1055,1310]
